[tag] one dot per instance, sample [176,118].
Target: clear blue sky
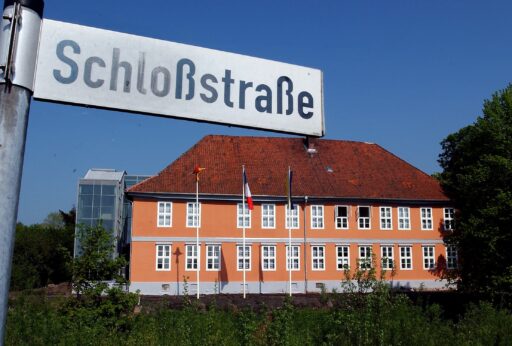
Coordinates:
[403,74]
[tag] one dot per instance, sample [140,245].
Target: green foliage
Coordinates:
[42,253]
[477,176]
[383,318]
[96,263]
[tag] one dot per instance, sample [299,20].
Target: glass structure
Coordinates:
[101,199]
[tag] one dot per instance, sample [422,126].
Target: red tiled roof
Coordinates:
[343,169]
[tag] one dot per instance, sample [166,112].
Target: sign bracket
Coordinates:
[14,17]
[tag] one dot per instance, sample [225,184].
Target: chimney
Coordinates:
[309,144]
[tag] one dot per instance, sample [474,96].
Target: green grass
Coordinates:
[370,319]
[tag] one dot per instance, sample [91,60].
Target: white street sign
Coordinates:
[106,69]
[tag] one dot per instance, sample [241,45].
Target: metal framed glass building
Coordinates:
[101,198]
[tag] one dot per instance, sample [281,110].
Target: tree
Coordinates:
[477,176]
[43,252]
[96,264]
[97,281]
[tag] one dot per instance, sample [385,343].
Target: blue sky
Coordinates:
[403,74]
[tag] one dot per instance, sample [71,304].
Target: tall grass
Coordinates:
[378,318]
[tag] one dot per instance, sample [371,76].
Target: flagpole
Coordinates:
[289,236]
[197,235]
[243,226]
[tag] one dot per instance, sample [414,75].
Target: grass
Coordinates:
[379,318]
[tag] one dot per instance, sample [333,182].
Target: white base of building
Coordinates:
[275,287]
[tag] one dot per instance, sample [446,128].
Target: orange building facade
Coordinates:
[356,206]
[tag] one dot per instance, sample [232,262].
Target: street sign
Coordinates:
[105,69]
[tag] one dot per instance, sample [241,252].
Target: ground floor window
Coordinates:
[192,258]
[318,257]
[163,257]
[405,257]
[268,257]
[293,258]
[213,257]
[243,257]
[342,257]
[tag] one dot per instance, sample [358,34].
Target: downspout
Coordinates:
[305,249]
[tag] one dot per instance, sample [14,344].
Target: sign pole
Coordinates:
[15,97]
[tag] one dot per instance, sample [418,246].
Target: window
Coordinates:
[404,221]
[292,218]
[317,216]
[342,257]
[405,257]
[163,257]
[268,212]
[449,219]
[426,218]
[293,258]
[191,257]
[451,257]
[241,220]
[385,218]
[429,261]
[193,214]
[386,257]
[243,258]
[213,257]
[363,217]
[365,257]
[341,214]
[268,257]
[318,257]
[164,214]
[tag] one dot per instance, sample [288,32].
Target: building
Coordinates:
[358,205]
[101,197]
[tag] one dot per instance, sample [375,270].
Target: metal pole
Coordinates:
[243,228]
[289,234]
[289,251]
[14,107]
[198,256]
[17,35]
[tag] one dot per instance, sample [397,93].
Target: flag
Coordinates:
[248,195]
[198,170]
[289,188]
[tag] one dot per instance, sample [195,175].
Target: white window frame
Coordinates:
[295,258]
[294,218]
[404,218]
[405,257]
[193,214]
[318,259]
[213,256]
[166,250]
[362,219]
[365,257]
[429,257]
[448,219]
[192,258]
[427,222]
[387,257]
[317,216]
[386,220]
[165,213]
[268,214]
[342,257]
[268,258]
[341,222]
[452,257]
[243,256]
[239,216]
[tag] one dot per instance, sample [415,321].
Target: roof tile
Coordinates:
[342,169]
